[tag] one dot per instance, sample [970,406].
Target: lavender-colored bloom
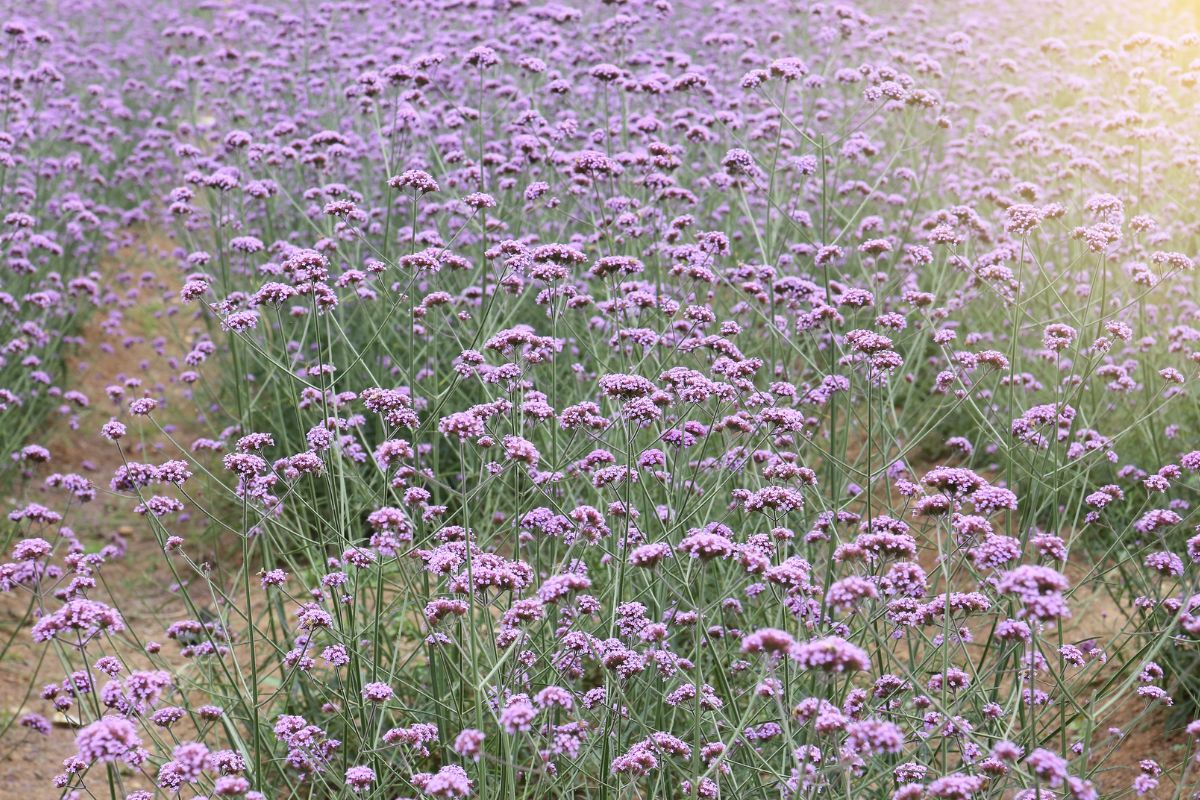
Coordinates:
[830,654]
[109,739]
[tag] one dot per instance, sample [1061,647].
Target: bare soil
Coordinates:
[139,585]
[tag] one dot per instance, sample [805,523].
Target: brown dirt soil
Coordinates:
[139,586]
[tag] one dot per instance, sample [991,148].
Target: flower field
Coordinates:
[621,400]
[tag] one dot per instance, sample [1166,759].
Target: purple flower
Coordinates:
[110,739]
[360,779]
[830,654]
[450,781]
[469,743]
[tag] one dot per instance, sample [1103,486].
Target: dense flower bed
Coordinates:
[631,399]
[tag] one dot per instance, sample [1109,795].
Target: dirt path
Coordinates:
[121,345]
